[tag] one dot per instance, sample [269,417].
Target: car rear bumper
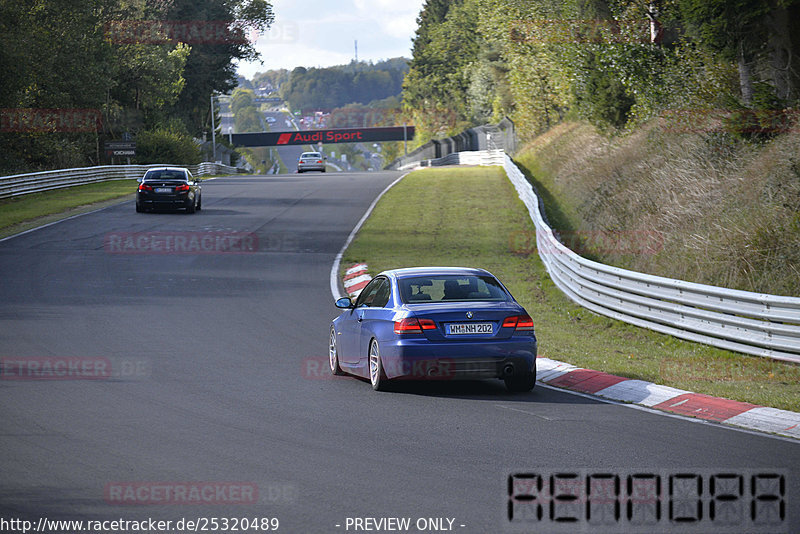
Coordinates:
[165,201]
[310,167]
[418,359]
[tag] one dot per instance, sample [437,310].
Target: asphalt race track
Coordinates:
[217,380]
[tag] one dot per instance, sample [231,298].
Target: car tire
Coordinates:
[333,354]
[139,209]
[200,203]
[323,170]
[376,375]
[192,207]
[521,384]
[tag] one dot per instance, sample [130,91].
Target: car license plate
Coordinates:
[469,328]
[163,190]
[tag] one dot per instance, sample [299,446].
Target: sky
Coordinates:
[321,33]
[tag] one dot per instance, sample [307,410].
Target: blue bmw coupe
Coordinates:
[434,323]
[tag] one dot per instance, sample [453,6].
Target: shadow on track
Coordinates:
[489,390]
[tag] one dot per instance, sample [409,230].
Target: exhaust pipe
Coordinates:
[508,369]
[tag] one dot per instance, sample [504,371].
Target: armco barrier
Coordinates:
[489,137]
[742,321]
[476,157]
[21,184]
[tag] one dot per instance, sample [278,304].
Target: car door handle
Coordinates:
[360,318]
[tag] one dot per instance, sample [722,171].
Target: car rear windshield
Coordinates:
[451,288]
[165,175]
[310,155]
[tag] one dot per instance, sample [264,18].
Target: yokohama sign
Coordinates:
[306,137]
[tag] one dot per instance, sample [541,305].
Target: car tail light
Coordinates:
[145,187]
[182,187]
[525,323]
[522,323]
[412,325]
[320,161]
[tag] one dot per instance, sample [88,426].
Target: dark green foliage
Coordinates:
[165,146]
[726,25]
[602,97]
[70,55]
[437,87]
[334,87]
[603,60]
[761,121]
[275,78]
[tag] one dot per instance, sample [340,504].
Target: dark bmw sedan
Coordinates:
[440,323]
[169,188]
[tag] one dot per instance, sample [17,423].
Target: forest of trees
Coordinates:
[139,67]
[275,78]
[615,63]
[333,87]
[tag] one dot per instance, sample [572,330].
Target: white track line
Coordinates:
[334,279]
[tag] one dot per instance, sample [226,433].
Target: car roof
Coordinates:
[428,271]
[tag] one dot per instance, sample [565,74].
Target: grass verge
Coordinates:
[700,207]
[473,217]
[29,211]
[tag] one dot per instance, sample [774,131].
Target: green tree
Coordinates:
[334,87]
[735,28]
[211,65]
[166,146]
[241,98]
[445,47]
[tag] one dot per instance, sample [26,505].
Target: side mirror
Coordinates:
[344,303]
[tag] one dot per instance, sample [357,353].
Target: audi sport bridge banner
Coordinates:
[343,135]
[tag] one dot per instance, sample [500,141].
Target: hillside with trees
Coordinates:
[139,67]
[614,63]
[334,87]
[662,136]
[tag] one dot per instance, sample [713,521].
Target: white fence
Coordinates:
[21,184]
[476,157]
[742,321]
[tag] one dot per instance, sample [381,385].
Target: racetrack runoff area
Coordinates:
[471,216]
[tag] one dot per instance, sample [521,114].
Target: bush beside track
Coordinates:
[473,217]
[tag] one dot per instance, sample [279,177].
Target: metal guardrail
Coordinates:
[21,184]
[742,321]
[488,137]
[476,157]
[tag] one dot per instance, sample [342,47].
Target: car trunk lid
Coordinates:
[467,320]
